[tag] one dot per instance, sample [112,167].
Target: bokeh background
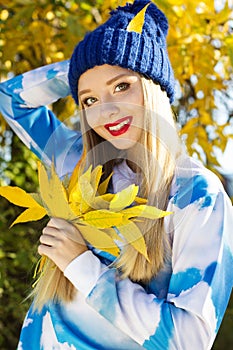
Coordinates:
[39,32]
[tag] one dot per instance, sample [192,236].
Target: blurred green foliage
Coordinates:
[18,247]
[224,340]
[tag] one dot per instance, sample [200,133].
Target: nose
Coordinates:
[109,109]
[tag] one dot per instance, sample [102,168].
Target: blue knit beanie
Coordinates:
[115,44]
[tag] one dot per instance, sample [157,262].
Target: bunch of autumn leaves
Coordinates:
[104,219]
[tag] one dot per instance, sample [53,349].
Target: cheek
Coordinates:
[92,119]
[135,94]
[140,98]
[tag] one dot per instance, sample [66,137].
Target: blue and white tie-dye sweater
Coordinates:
[182,308]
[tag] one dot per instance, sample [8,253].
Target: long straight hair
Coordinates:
[160,146]
[161,149]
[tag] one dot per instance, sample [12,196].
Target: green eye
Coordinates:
[122,87]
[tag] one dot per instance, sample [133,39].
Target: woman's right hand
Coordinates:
[56,244]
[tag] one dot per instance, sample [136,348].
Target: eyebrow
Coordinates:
[109,82]
[84,92]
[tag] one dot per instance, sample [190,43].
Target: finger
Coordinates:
[49,230]
[51,222]
[74,234]
[62,228]
[66,228]
[47,240]
[54,222]
[45,250]
[57,222]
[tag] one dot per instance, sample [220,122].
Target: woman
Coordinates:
[121,77]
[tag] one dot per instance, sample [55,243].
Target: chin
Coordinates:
[122,144]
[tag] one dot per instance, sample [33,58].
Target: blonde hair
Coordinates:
[160,148]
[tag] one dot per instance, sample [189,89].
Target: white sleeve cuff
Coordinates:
[84,271]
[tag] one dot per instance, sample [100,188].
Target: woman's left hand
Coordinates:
[56,244]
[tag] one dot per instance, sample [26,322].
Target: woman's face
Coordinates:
[113,101]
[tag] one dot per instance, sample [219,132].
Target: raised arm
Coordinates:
[23,103]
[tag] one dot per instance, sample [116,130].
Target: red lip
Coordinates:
[123,129]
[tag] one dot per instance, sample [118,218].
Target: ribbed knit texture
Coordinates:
[112,44]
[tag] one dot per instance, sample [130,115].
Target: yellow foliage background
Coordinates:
[35,33]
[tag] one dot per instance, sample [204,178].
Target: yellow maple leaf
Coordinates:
[102,218]
[95,178]
[103,201]
[133,236]
[111,232]
[82,194]
[145,211]
[19,197]
[54,195]
[98,239]
[124,198]
[104,185]
[140,200]
[86,191]
[30,214]
[75,195]
[136,24]
[76,172]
